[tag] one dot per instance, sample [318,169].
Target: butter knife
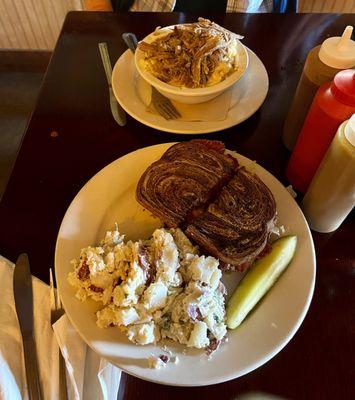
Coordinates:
[22,285]
[117,111]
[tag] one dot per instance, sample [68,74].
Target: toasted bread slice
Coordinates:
[186,177]
[237,225]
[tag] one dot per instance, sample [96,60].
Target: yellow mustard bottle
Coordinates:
[331,194]
[322,64]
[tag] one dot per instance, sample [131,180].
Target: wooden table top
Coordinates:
[72,135]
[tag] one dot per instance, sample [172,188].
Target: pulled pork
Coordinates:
[188,55]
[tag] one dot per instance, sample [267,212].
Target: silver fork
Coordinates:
[56,312]
[161,103]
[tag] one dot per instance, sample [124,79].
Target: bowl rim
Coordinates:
[218,87]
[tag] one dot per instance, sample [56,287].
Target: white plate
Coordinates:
[132,92]
[109,197]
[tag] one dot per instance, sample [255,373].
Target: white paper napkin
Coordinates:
[88,375]
[213,110]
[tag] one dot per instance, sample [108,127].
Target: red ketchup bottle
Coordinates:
[334,103]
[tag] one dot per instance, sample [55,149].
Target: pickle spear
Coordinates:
[259,279]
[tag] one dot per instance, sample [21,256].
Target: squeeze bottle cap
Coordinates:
[343,87]
[349,130]
[339,51]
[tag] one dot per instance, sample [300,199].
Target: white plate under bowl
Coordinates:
[132,92]
[109,197]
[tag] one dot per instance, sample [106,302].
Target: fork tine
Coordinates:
[51,288]
[176,113]
[166,110]
[59,302]
[169,109]
[161,110]
[51,283]
[166,107]
[172,109]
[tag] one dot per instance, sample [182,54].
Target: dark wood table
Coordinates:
[72,135]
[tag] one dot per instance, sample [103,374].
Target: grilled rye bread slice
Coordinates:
[237,225]
[185,178]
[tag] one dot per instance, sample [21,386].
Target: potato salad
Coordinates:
[154,289]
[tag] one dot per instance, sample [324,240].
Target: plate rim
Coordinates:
[230,376]
[185,131]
